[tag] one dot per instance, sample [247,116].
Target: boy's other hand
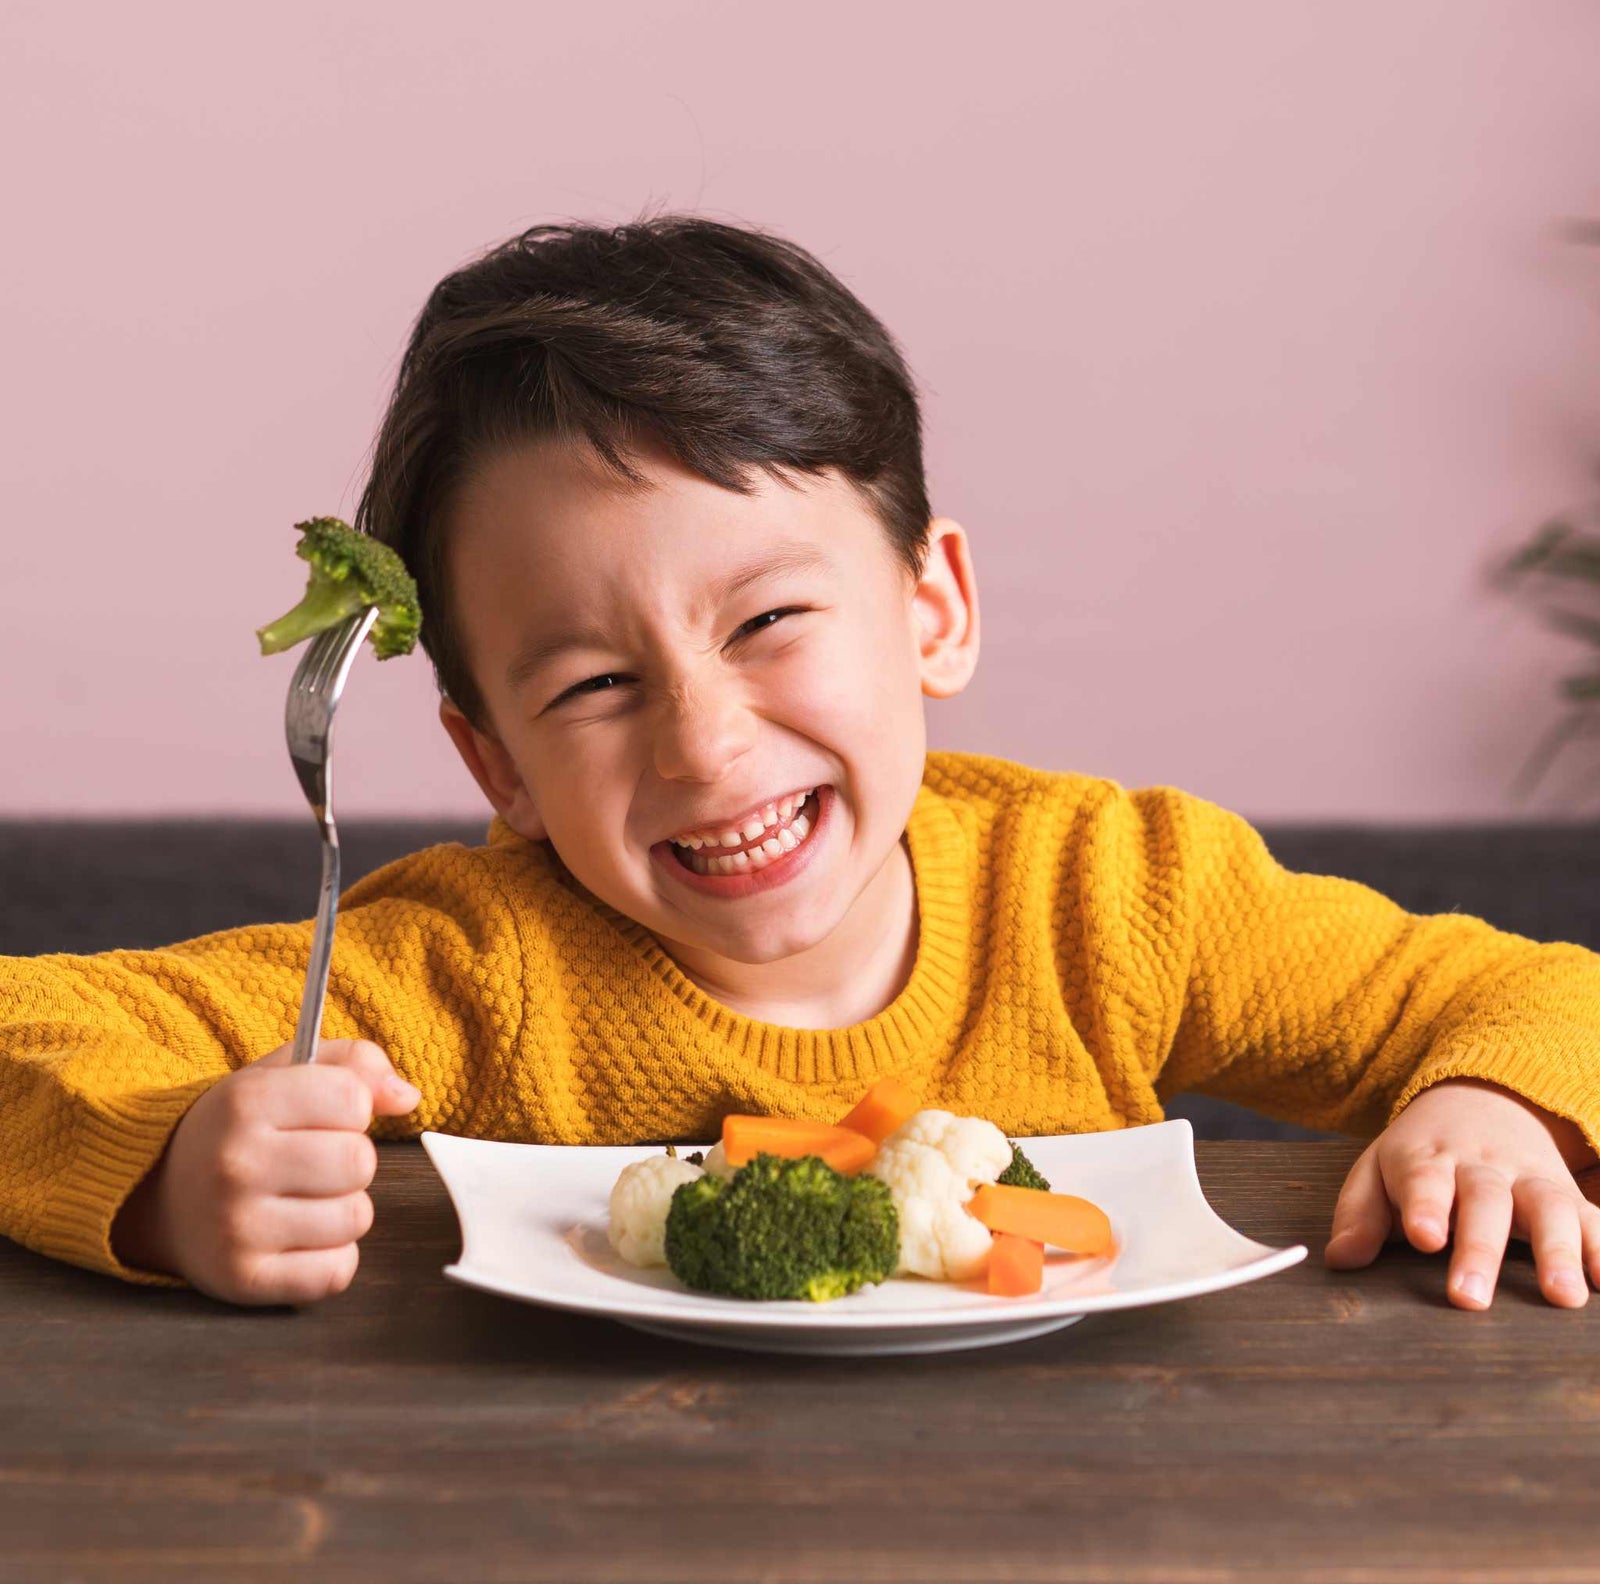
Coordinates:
[260,1197]
[1496,1166]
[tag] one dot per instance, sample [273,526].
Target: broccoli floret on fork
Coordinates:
[349,572]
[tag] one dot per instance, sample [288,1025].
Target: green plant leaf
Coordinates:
[1539,549]
[1575,623]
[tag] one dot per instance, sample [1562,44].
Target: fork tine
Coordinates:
[334,643]
[322,660]
[313,662]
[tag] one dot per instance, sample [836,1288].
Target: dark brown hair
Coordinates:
[727,347]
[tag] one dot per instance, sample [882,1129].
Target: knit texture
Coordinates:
[1084,952]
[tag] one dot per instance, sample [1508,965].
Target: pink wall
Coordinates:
[1245,338]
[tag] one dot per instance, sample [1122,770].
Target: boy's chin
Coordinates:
[782,940]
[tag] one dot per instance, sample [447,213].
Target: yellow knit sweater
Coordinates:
[1084,952]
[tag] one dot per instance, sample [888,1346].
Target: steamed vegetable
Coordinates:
[931,1164]
[745,1137]
[1022,1173]
[782,1229]
[1061,1220]
[640,1199]
[1016,1266]
[349,572]
[888,1104]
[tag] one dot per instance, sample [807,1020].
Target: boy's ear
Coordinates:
[492,768]
[945,603]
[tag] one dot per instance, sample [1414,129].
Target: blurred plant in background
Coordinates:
[1563,559]
[1563,556]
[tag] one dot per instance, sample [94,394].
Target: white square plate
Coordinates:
[533,1226]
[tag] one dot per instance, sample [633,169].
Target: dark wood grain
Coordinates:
[1315,1426]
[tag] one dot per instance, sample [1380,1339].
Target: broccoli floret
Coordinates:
[349,571]
[1022,1173]
[782,1229]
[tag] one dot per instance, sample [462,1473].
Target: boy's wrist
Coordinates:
[137,1238]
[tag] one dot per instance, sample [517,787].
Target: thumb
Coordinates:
[1362,1218]
[391,1094]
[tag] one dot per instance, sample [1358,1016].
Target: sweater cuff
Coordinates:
[121,1137]
[1556,1067]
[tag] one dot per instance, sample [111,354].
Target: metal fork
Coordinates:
[308,720]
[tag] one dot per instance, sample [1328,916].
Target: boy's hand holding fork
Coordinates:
[260,1196]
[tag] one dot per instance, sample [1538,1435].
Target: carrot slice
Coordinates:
[1061,1220]
[745,1137]
[1016,1265]
[883,1108]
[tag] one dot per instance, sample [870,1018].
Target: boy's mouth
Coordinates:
[770,840]
[788,829]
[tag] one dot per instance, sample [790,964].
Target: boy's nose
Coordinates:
[701,733]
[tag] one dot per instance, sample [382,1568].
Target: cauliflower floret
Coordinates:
[932,1164]
[640,1199]
[717,1162]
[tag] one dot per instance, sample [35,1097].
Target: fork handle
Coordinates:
[316,990]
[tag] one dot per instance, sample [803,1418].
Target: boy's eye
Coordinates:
[610,679]
[767,618]
[594,684]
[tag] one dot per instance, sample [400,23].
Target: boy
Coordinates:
[661,488]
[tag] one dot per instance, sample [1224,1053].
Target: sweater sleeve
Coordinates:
[101,1054]
[1320,1001]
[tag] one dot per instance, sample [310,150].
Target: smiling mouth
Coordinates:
[776,842]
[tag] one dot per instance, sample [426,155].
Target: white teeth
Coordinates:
[772,814]
[748,862]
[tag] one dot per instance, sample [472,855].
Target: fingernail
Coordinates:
[1474,1287]
[1569,1284]
[1430,1228]
[402,1090]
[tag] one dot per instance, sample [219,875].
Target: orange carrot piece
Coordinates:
[745,1137]
[883,1108]
[1016,1265]
[1061,1220]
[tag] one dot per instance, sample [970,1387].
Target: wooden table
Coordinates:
[1311,1426]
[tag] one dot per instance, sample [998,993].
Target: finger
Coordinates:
[1550,1214]
[1483,1224]
[274,1223]
[1589,1220]
[391,1094]
[305,1096]
[296,1276]
[1425,1188]
[320,1162]
[1361,1218]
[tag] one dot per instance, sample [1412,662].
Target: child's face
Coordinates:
[681,706]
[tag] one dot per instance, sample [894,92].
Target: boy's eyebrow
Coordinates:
[786,556]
